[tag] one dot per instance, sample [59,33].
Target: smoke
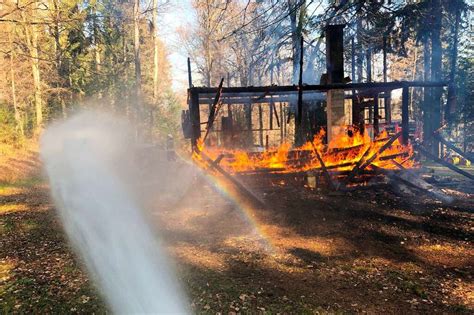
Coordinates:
[91,165]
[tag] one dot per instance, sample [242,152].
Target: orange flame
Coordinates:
[342,153]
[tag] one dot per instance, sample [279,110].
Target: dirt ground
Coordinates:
[306,251]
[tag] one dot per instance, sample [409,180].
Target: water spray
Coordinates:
[88,159]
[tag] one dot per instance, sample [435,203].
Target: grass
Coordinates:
[7,225]
[5,271]
[7,186]
[407,282]
[7,208]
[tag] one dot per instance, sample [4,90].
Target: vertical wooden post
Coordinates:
[299,114]
[282,123]
[371,114]
[368,56]
[388,106]
[248,118]
[260,124]
[229,106]
[355,105]
[405,117]
[376,114]
[272,104]
[195,118]
[387,100]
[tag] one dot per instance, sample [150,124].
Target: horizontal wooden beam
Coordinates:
[268,100]
[323,87]
[261,95]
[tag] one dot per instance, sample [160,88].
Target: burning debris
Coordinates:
[344,153]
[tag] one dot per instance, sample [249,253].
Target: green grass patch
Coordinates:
[27,182]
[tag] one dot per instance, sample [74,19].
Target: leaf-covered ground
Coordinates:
[306,252]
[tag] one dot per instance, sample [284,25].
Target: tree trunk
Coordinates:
[360,52]
[436,71]
[454,49]
[208,46]
[31,34]
[136,49]
[451,103]
[296,33]
[413,76]
[58,56]
[19,123]
[426,91]
[155,50]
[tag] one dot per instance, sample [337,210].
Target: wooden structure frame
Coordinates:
[199,96]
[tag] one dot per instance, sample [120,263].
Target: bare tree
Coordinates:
[31,38]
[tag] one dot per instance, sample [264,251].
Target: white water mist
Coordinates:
[88,160]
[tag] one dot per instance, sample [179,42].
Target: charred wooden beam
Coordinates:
[339,150]
[217,160]
[231,179]
[400,166]
[447,143]
[194,118]
[252,100]
[393,156]
[380,150]
[264,95]
[357,165]
[376,114]
[367,94]
[272,107]
[362,164]
[335,53]
[434,158]
[323,166]
[190,78]
[405,117]
[288,170]
[414,181]
[276,114]
[214,110]
[325,87]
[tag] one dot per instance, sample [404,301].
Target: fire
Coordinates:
[341,154]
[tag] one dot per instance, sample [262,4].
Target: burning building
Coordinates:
[337,129]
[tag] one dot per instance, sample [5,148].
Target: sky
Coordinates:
[179,13]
